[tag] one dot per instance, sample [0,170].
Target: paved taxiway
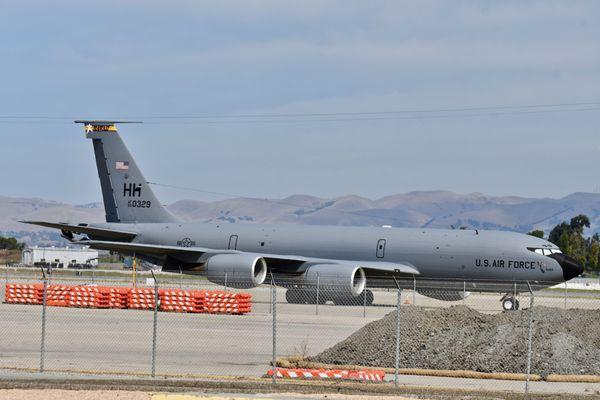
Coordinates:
[120,340]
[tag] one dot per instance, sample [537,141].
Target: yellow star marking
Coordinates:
[89,128]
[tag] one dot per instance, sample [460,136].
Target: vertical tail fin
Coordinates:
[127,196]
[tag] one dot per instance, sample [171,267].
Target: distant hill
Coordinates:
[14,209]
[434,209]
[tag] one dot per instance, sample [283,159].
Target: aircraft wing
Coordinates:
[190,254]
[386,268]
[372,268]
[110,234]
[280,263]
[155,249]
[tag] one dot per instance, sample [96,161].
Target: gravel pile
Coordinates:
[565,341]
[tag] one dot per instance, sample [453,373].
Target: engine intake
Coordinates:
[236,270]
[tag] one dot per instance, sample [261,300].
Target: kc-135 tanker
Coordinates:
[348,261]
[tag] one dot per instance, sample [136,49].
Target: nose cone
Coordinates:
[571,268]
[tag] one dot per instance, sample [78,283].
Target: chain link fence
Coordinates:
[414,331]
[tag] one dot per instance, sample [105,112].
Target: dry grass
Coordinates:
[301,362]
[9,257]
[574,378]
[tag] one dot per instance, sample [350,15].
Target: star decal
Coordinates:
[89,128]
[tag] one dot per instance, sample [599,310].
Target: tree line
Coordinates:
[10,244]
[569,237]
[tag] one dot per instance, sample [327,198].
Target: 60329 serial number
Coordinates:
[139,203]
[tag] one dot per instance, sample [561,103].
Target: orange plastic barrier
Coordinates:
[118,297]
[205,301]
[24,293]
[141,298]
[58,295]
[89,296]
[303,373]
[175,300]
[217,301]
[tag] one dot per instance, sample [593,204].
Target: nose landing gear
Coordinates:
[509,302]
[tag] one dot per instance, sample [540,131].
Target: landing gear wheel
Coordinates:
[350,300]
[292,296]
[296,295]
[510,303]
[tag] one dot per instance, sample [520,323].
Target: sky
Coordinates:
[162,61]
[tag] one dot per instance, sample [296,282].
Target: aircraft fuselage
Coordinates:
[438,254]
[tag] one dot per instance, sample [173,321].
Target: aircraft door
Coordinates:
[380,248]
[233,242]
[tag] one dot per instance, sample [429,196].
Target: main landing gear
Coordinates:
[509,302]
[298,295]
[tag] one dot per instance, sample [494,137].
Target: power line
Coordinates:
[313,120]
[25,122]
[357,113]
[458,112]
[373,118]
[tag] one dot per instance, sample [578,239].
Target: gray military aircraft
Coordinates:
[439,263]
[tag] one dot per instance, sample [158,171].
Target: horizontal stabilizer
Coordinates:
[86,230]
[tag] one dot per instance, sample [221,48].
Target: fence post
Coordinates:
[365,302]
[154,326]
[530,338]
[43,338]
[397,360]
[274,308]
[317,296]
[134,270]
[414,291]
[566,295]
[271,298]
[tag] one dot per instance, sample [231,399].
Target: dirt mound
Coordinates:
[565,341]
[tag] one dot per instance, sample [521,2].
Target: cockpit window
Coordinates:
[544,252]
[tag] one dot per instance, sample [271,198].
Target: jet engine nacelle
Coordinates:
[445,295]
[236,270]
[339,278]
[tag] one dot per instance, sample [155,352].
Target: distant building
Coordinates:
[60,257]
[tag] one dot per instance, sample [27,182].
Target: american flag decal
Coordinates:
[122,165]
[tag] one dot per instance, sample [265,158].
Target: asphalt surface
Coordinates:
[120,341]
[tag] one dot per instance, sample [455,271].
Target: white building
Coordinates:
[60,257]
